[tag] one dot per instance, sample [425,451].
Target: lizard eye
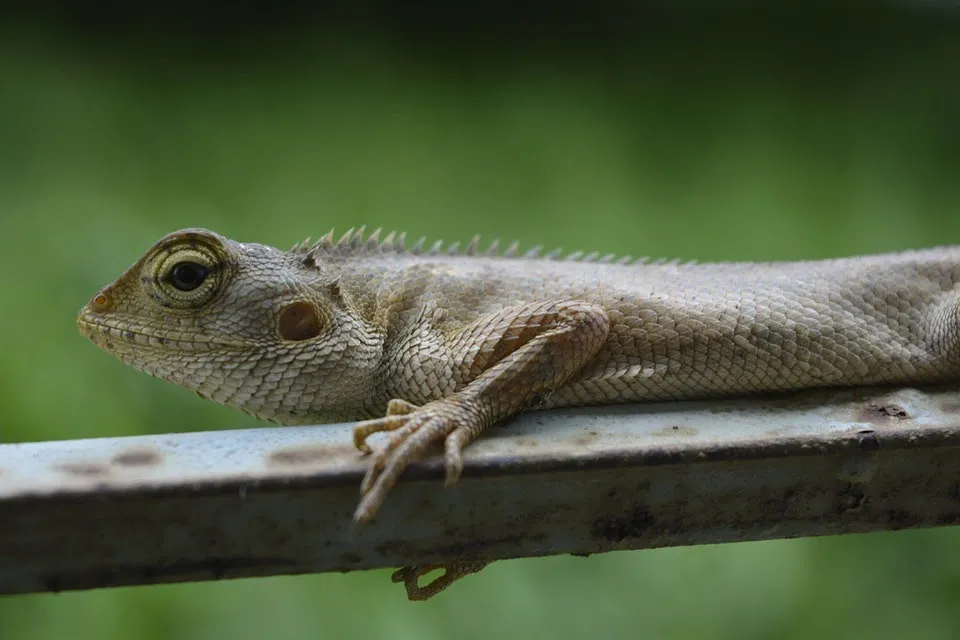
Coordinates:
[187,276]
[185,271]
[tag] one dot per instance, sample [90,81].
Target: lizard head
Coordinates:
[245,325]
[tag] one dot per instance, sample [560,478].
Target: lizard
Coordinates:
[436,344]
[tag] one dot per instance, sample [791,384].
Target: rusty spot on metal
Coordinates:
[851,499]
[631,525]
[306,455]
[351,557]
[676,430]
[950,407]
[137,458]
[303,455]
[886,410]
[901,519]
[87,469]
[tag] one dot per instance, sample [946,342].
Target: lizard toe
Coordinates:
[363,430]
[400,407]
[410,443]
[382,456]
[410,577]
[453,461]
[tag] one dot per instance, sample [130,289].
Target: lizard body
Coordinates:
[435,346]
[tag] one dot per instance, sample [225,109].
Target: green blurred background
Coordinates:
[747,133]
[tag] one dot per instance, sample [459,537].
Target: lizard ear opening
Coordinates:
[298,321]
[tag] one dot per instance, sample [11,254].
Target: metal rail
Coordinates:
[199,506]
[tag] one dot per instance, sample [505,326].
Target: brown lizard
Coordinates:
[437,345]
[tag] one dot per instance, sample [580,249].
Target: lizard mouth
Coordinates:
[107,332]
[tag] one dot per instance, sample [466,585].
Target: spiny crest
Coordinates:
[352,243]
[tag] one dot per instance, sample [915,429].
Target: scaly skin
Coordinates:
[447,344]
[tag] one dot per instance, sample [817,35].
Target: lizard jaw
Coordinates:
[105,333]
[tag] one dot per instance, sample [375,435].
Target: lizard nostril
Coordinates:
[100,302]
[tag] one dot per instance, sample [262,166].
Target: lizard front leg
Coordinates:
[511,356]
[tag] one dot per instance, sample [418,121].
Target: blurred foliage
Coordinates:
[692,133]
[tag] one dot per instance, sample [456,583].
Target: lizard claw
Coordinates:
[414,432]
[400,407]
[391,422]
[410,577]
[382,457]
[453,461]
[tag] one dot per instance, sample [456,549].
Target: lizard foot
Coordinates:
[410,577]
[414,430]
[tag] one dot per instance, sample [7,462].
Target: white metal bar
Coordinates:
[95,513]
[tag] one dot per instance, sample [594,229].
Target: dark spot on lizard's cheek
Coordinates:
[298,321]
